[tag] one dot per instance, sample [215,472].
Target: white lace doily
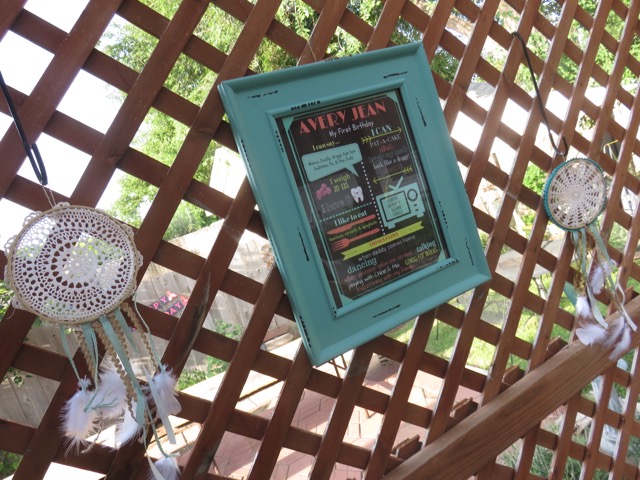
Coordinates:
[575,193]
[72,264]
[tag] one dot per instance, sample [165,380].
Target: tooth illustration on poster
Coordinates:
[356,193]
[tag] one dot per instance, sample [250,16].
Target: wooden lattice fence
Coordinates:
[397,407]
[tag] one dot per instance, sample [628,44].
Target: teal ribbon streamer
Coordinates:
[570,292]
[154,391]
[164,418]
[91,341]
[141,403]
[127,331]
[579,238]
[67,351]
[154,350]
[92,345]
[594,307]
[157,475]
[614,283]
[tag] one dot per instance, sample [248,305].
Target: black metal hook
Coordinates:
[539,100]
[31,150]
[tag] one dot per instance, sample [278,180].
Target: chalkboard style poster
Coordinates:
[357,183]
[364,190]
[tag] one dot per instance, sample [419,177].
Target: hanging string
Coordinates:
[539,100]
[31,150]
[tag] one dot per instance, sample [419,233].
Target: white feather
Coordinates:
[596,280]
[615,331]
[623,344]
[111,396]
[128,429]
[583,308]
[167,467]
[79,421]
[591,334]
[164,393]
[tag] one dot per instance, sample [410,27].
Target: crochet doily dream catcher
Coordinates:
[72,265]
[76,267]
[575,195]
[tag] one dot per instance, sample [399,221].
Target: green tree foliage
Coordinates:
[8,463]
[578,34]
[534,178]
[298,16]
[604,58]
[214,366]
[444,64]
[161,137]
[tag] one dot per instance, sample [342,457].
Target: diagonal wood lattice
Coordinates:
[531,412]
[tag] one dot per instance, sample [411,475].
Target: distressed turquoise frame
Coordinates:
[316,140]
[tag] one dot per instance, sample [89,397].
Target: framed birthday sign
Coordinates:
[357,182]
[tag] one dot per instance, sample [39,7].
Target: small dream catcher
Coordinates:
[575,194]
[75,267]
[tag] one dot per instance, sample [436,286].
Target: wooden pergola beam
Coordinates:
[490,430]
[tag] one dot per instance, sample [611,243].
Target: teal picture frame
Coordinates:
[358,185]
